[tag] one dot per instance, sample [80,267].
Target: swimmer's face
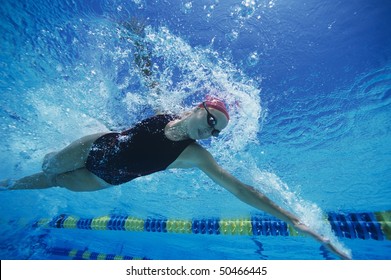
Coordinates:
[206,122]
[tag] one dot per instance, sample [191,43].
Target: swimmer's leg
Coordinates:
[35,181]
[70,158]
[81,180]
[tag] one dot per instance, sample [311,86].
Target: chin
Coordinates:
[200,135]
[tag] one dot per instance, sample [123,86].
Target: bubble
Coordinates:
[187,7]
[232,36]
[272,3]
[139,3]
[248,3]
[247,8]
[253,59]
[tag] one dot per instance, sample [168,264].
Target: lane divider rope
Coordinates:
[375,226]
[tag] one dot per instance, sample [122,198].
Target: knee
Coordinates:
[48,164]
[51,179]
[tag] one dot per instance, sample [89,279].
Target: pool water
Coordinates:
[308,87]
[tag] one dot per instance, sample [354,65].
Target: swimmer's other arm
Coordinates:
[197,156]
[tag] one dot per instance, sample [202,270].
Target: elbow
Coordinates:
[248,194]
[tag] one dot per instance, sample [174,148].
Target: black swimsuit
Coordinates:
[141,150]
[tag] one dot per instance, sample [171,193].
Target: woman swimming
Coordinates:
[158,143]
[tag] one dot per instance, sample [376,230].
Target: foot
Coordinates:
[135,26]
[6,184]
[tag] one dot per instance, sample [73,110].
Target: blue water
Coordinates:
[308,85]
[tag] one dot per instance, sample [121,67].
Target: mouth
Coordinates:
[202,133]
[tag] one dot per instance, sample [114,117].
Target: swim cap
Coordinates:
[216,104]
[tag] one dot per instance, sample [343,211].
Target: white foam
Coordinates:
[202,70]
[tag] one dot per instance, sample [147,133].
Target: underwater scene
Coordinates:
[307,85]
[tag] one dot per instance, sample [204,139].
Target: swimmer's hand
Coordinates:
[326,242]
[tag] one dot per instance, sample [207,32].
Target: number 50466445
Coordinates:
[226,270]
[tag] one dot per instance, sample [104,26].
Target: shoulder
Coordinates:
[153,123]
[197,153]
[159,118]
[193,156]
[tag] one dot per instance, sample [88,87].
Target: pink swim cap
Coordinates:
[216,104]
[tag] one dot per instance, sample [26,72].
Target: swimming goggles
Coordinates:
[211,121]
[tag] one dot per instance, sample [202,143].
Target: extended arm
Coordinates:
[197,156]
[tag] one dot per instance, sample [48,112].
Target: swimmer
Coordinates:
[161,142]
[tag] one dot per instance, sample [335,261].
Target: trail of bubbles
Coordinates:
[186,71]
[186,75]
[309,213]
